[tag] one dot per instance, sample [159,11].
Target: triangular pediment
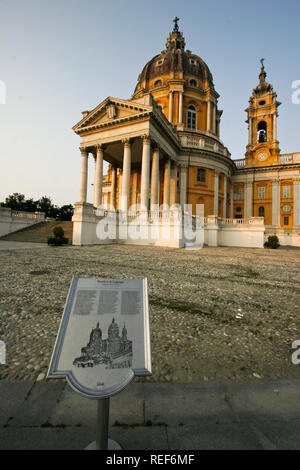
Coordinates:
[111,111]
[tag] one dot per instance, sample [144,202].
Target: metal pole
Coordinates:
[102,423]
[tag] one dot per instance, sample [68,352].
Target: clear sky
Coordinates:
[60,57]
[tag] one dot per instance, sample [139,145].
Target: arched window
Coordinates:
[193,83]
[262,132]
[261,211]
[191,117]
[157,83]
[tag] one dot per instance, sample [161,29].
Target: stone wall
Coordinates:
[12,221]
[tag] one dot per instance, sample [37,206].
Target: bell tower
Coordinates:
[263,146]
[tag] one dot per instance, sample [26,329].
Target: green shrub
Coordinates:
[54,241]
[58,238]
[273,242]
[58,232]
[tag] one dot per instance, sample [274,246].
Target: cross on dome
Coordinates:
[176,19]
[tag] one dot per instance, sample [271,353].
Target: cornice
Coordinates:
[260,169]
[129,104]
[208,154]
[113,122]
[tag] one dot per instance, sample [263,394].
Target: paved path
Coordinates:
[259,415]
[10,245]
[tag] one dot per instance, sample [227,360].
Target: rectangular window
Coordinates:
[285,220]
[238,194]
[200,175]
[286,192]
[261,192]
[191,121]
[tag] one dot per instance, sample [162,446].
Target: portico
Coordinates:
[148,169]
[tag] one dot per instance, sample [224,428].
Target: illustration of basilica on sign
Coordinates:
[115,351]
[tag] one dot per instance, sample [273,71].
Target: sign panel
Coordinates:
[104,337]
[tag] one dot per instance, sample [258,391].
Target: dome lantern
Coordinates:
[175,39]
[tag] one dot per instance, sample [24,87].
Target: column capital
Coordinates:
[183,165]
[83,150]
[100,147]
[126,142]
[276,180]
[155,146]
[146,139]
[296,180]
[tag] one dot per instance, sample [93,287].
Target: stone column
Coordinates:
[183,180]
[113,187]
[145,172]
[171,106]
[248,199]
[208,116]
[134,188]
[214,117]
[274,127]
[276,202]
[296,209]
[180,110]
[250,130]
[167,175]
[98,177]
[155,177]
[120,177]
[83,175]
[218,128]
[216,194]
[231,199]
[225,198]
[126,175]
[173,184]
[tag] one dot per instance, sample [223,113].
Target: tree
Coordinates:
[44,204]
[29,205]
[66,212]
[15,201]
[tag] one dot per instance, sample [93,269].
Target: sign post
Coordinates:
[103,342]
[102,424]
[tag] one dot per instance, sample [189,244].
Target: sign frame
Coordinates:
[55,372]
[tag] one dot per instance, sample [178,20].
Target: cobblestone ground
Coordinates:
[216,313]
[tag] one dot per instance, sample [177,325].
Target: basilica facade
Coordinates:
[164,151]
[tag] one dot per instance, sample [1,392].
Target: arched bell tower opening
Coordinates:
[262,132]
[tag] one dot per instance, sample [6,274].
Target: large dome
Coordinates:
[177,62]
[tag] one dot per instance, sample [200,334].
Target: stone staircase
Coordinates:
[39,233]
